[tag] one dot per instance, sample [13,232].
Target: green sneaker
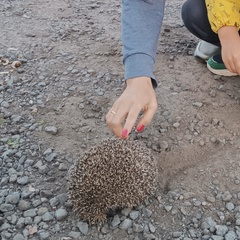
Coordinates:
[215,65]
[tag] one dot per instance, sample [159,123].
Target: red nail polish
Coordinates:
[124,133]
[140,128]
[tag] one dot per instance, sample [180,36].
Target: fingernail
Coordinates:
[140,128]
[124,133]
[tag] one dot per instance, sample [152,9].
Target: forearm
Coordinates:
[141,25]
[227,35]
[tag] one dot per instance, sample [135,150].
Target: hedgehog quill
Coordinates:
[115,174]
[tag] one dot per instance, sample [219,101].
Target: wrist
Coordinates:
[227,34]
[139,80]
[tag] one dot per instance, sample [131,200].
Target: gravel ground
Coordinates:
[60,71]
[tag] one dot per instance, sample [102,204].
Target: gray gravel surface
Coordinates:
[59,73]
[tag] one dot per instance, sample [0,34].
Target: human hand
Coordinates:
[138,96]
[230,41]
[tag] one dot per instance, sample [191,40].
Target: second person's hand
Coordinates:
[138,96]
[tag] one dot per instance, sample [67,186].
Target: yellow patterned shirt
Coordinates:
[223,13]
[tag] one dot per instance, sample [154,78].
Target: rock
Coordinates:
[83,227]
[168,208]
[42,210]
[215,237]
[51,130]
[127,223]
[116,221]
[126,211]
[54,202]
[134,214]
[74,235]
[22,180]
[47,217]
[197,104]
[43,235]
[152,228]
[226,197]
[61,214]
[146,213]
[30,213]
[50,157]
[19,237]
[176,234]
[221,230]
[5,207]
[231,235]
[20,223]
[230,206]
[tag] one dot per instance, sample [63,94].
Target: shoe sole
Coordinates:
[199,59]
[221,72]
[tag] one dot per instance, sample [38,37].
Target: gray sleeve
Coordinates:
[141,25]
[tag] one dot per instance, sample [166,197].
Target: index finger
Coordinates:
[130,121]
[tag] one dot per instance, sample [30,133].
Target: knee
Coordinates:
[192,15]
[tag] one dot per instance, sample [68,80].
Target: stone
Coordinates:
[61,214]
[74,235]
[5,207]
[221,230]
[22,180]
[13,198]
[134,214]
[83,227]
[51,130]
[19,237]
[146,212]
[127,223]
[137,228]
[230,206]
[116,221]
[24,205]
[47,217]
[231,235]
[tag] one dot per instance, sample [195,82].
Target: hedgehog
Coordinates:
[115,174]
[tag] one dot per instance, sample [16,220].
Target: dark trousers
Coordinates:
[194,16]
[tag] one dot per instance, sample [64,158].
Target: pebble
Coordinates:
[226,197]
[23,180]
[19,237]
[176,234]
[221,230]
[5,207]
[127,223]
[43,235]
[126,211]
[47,217]
[197,104]
[137,228]
[230,206]
[74,235]
[146,213]
[116,221]
[51,130]
[231,235]
[61,214]
[152,228]
[134,214]
[83,227]
[13,198]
